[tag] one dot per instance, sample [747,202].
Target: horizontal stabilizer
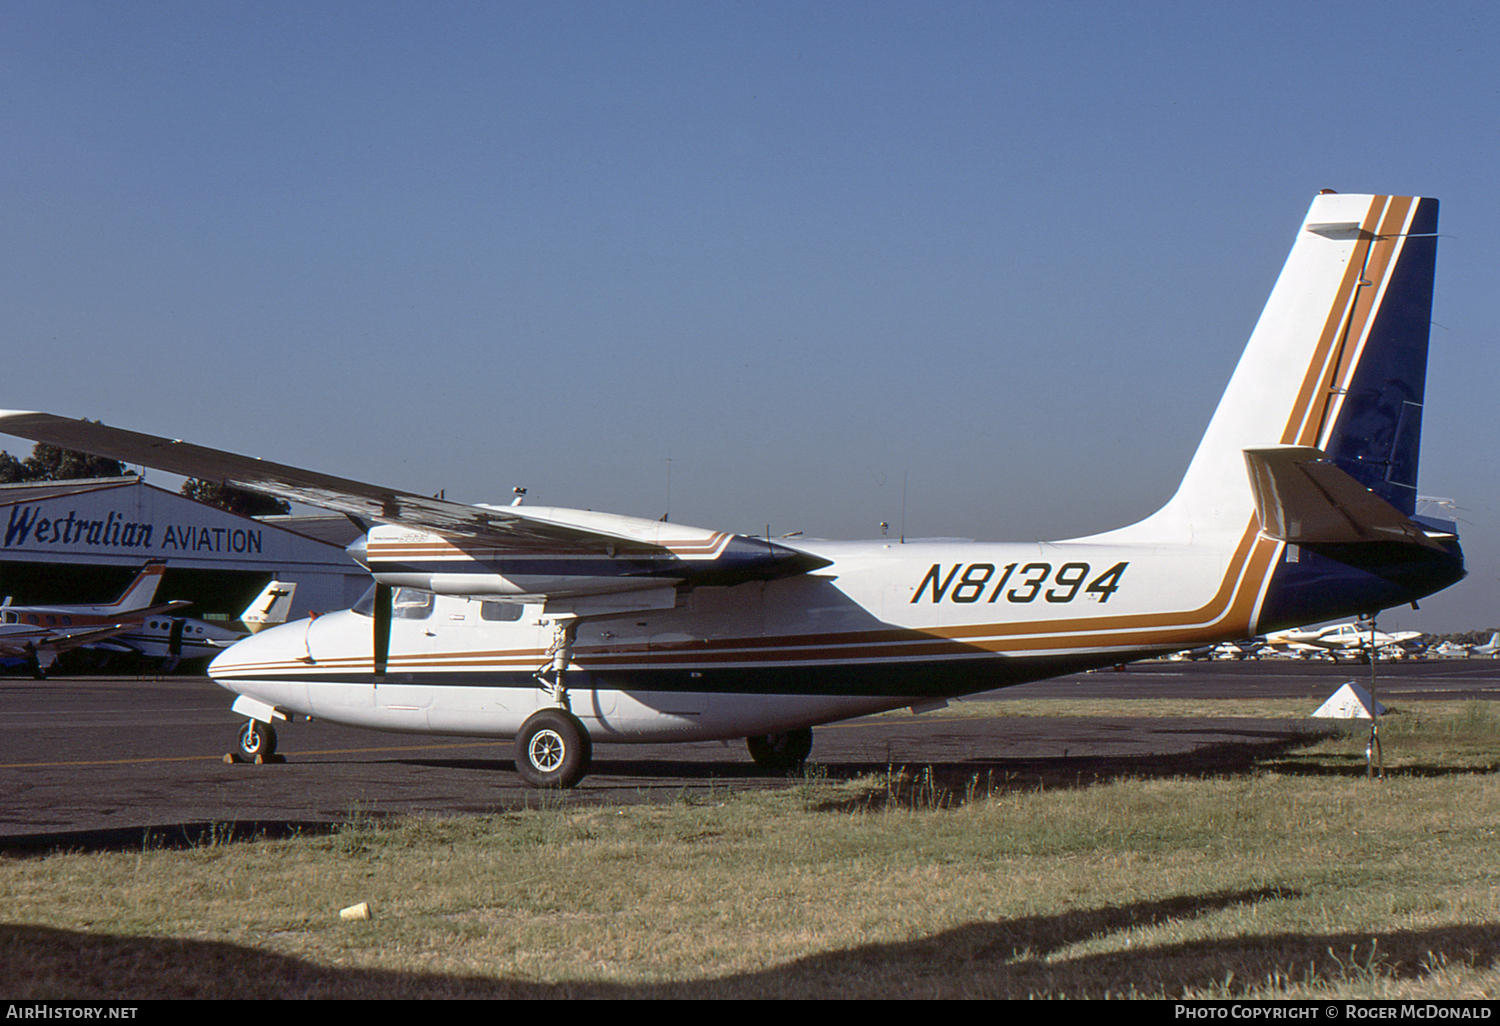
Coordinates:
[1303,498]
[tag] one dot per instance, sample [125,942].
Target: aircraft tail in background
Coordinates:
[139,592]
[270,608]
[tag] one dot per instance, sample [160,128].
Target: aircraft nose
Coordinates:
[359,550]
[274,645]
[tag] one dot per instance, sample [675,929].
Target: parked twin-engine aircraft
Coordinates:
[1341,638]
[133,603]
[1489,648]
[37,648]
[174,639]
[39,634]
[1455,650]
[564,628]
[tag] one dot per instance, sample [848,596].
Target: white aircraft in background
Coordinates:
[565,628]
[1340,639]
[174,639]
[37,648]
[1247,648]
[270,608]
[133,602]
[38,634]
[1454,650]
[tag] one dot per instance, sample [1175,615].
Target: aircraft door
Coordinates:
[418,622]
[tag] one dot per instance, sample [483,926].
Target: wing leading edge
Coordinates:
[507,538]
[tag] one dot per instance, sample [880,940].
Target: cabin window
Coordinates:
[500,611]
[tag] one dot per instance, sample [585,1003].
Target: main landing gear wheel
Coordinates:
[257,739]
[785,751]
[553,749]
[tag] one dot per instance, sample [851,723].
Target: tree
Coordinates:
[246,504]
[50,463]
[11,469]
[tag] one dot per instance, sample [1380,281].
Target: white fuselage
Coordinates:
[196,639]
[886,625]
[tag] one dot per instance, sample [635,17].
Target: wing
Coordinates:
[135,616]
[357,499]
[526,551]
[19,639]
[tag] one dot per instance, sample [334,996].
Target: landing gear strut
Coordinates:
[553,748]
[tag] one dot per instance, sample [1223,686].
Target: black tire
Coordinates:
[785,751]
[553,749]
[257,738]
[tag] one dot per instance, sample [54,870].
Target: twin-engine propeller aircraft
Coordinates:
[1352,639]
[563,628]
[176,639]
[37,635]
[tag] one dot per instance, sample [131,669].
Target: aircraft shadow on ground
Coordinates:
[165,836]
[938,783]
[905,783]
[1008,958]
[910,784]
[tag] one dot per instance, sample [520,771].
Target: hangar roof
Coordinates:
[33,491]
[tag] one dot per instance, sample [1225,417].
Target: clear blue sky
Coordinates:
[1005,253]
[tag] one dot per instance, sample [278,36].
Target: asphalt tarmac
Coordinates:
[107,762]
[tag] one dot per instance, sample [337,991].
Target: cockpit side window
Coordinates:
[406,604]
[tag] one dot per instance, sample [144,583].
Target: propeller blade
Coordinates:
[382,618]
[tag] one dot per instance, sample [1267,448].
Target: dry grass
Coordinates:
[1299,878]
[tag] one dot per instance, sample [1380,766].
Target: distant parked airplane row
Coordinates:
[34,636]
[1344,641]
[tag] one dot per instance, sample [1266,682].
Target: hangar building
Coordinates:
[82,541]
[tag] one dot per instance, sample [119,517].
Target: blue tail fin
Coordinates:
[1376,418]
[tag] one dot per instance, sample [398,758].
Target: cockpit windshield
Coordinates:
[406,604]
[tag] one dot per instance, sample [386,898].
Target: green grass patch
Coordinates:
[1297,877]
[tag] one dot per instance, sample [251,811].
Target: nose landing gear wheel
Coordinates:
[784,751]
[553,749]
[257,738]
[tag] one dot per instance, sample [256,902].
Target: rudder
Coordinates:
[1375,424]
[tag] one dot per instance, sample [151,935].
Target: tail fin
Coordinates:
[139,593]
[270,607]
[1306,478]
[1337,362]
